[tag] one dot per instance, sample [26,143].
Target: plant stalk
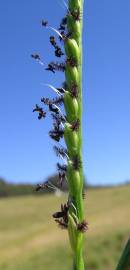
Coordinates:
[73,48]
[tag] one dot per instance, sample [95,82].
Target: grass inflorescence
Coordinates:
[68,126]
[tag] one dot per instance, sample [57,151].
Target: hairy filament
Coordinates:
[53,88]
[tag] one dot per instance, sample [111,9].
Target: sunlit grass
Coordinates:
[29,238]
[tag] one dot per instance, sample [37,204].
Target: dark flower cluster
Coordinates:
[53,67]
[61,168]
[58,118]
[60,151]
[62,217]
[76,14]
[41,113]
[77,164]
[63,24]
[42,186]
[36,56]
[58,51]
[83,226]
[56,101]
[64,35]
[75,125]
[72,61]
[56,134]
[44,23]
[74,91]
[62,177]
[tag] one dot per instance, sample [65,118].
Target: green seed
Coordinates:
[71,107]
[71,139]
[72,233]
[73,178]
[74,4]
[72,75]
[72,49]
[74,28]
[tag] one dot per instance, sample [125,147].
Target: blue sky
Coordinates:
[26,150]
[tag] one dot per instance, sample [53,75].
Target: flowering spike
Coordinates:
[69,126]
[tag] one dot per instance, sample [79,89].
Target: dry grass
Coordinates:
[29,239]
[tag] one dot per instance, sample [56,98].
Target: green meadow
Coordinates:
[30,239]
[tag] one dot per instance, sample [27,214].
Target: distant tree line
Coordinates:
[9,189]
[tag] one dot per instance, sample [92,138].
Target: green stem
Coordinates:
[78,261]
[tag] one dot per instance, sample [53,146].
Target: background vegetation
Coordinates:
[9,189]
[29,238]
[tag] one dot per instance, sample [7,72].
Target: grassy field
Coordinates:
[30,240]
